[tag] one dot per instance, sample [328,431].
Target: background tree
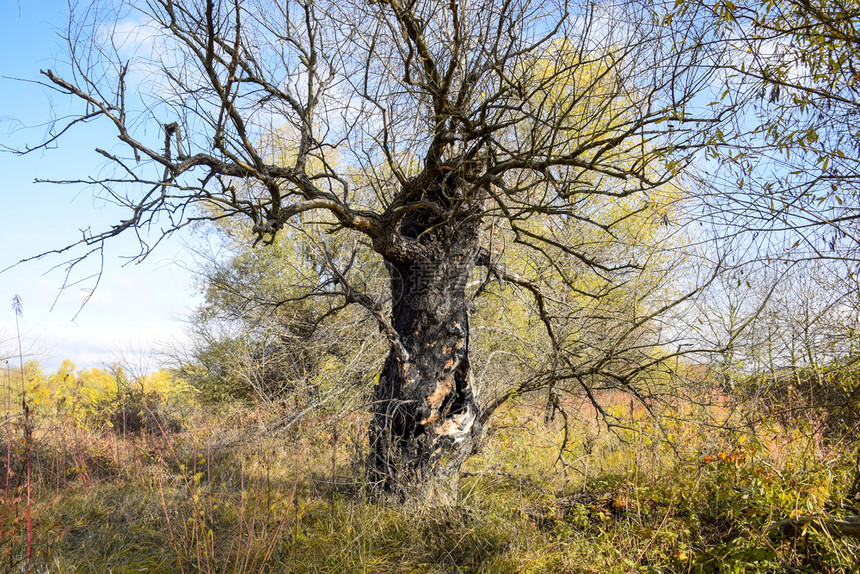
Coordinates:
[260,336]
[436,137]
[785,178]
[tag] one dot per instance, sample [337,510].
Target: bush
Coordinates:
[136,413]
[828,398]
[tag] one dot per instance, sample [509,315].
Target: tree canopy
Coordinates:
[788,166]
[458,146]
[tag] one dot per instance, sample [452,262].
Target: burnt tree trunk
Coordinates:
[425,417]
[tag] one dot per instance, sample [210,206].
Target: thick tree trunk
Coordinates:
[426,419]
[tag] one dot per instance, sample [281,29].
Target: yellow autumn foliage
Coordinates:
[83,392]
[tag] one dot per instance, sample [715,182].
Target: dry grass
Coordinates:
[226,496]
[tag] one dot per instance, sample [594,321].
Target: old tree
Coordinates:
[528,142]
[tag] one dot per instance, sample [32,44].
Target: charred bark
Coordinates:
[425,417]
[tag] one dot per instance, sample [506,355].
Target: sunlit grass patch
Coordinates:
[234,492]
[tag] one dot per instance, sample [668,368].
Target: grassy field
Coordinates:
[233,489]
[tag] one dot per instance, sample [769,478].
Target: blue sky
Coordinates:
[135,307]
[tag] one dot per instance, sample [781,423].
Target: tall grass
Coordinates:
[226,495]
[8,499]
